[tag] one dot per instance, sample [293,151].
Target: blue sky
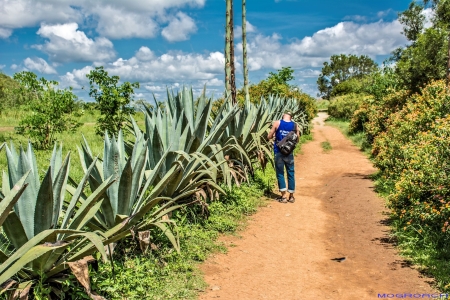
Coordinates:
[171,43]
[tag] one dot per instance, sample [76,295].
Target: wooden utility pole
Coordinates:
[230,83]
[244,49]
[227,48]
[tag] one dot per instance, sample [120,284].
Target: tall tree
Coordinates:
[341,68]
[244,49]
[230,84]
[442,15]
[413,21]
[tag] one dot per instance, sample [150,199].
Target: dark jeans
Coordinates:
[282,162]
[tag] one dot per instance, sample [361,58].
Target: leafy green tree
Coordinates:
[442,18]
[113,100]
[413,21]
[423,61]
[52,110]
[341,68]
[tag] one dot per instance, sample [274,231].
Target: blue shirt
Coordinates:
[282,131]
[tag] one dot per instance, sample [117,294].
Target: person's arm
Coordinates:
[273,129]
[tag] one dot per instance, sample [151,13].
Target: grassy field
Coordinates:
[70,141]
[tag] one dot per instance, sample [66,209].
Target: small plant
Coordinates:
[326,146]
[113,100]
[51,110]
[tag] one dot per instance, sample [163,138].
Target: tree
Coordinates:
[413,21]
[442,16]
[51,110]
[423,61]
[341,68]
[244,49]
[230,84]
[113,100]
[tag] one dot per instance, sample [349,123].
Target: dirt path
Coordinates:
[286,251]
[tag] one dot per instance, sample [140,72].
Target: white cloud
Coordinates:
[5,33]
[117,24]
[77,78]
[114,18]
[65,44]
[14,67]
[27,13]
[429,15]
[38,64]
[2,66]
[180,28]
[372,39]
[155,72]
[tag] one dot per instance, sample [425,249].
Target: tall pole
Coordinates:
[228,48]
[244,49]
[232,67]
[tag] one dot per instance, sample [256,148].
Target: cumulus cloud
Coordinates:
[77,78]
[114,18]
[5,33]
[124,24]
[155,72]
[266,53]
[38,64]
[65,43]
[373,39]
[27,13]
[180,28]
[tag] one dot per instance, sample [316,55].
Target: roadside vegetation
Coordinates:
[132,213]
[398,113]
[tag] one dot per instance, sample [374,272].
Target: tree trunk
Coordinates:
[227,48]
[244,49]
[232,67]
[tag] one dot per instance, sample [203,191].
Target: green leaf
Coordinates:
[124,190]
[44,205]
[14,230]
[59,189]
[11,197]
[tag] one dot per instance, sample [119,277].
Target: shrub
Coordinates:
[413,154]
[343,107]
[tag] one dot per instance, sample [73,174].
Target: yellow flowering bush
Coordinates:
[413,153]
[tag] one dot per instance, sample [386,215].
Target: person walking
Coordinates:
[279,130]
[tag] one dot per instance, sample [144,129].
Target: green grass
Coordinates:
[70,141]
[358,139]
[326,146]
[322,105]
[165,274]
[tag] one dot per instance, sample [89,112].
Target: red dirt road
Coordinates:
[286,251]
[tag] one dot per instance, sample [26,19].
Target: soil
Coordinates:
[287,250]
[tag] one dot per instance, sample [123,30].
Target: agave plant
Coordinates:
[135,193]
[42,237]
[186,125]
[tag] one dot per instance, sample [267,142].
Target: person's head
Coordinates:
[287,115]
